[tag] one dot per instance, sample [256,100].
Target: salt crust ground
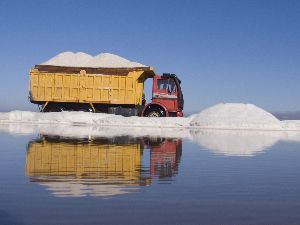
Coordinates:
[231,129]
[221,116]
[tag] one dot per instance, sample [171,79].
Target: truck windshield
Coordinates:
[166,84]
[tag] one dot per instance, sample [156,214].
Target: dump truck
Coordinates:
[108,90]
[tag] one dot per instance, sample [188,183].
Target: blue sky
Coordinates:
[223,51]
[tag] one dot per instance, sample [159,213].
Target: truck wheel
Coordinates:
[155,112]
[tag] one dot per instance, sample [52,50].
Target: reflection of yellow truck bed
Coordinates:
[83,160]
[117,86]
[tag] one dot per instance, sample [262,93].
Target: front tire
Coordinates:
[155,112]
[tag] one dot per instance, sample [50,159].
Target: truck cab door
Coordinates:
[165,92]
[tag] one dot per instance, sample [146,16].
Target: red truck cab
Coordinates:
[167,97]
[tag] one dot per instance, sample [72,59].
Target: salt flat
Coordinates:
[231,116]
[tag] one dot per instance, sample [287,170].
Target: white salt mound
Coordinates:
[235,116]
[81,59]
[111,61]
[78,59]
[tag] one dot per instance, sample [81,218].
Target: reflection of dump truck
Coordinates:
[109,90]
[99,167]
[165,158]
[70,158]
[104,158]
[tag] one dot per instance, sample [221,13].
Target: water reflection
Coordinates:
[236,143]
[164,156]
[101,166]
[242,143]
[246,143]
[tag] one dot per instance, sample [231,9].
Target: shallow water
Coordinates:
[106,177]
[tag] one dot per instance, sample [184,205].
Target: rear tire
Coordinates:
[59,107]
[54,108]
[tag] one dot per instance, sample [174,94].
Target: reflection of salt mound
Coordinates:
[112,61]
[81,59]
[235,116]
[78,59]
[226,142]
[78,189]
[236,143]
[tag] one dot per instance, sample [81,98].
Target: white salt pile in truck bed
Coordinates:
[72,59]
[81,59]
[111,61]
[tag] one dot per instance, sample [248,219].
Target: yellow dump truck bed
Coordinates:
[122,86]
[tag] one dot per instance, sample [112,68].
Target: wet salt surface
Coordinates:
[79,175]
[233,116]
